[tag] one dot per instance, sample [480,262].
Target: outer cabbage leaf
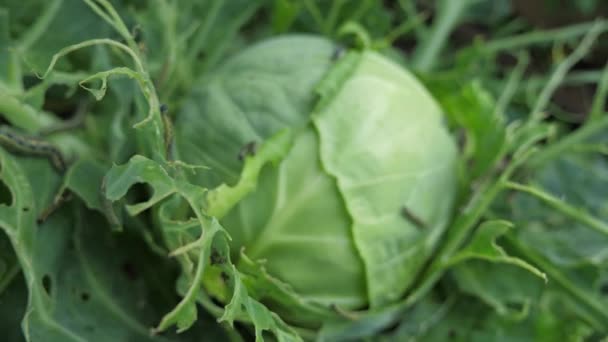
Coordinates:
[249,98]
[13,292]
[462,318]
[199,242]
[13,302]
[37,48]
[567,243]
[83,281]
[574,256]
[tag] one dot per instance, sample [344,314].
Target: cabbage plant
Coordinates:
[196,171]
[353,210]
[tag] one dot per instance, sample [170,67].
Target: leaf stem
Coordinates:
[462,227]
[22,115]
[9,275]
[332,17]
[109,14]
[562,69]
[93,42]
[558,148]
[409,7]
[538,37]
[402,29]
[600,98]
[513,83]
[315,12]
[568,210]
[449,13]
[557,276]
[40,26]
[573,78]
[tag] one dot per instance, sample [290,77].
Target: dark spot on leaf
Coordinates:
[90,328]
[390,329]
[515,306]
[338,53]
[129,270]
[461,138]
[604,289]
[470,164]
[47,284]
[133,110]
[216,257]
[478,324]
[85,296]
[25,209]
[225,277]
[137,34]
[6,197]
[163,108]
[248,149]
[452,334]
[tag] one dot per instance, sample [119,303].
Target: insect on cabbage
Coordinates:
[34,146]
[248,150]
[412,218]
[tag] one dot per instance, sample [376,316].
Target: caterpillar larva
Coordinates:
[31,146]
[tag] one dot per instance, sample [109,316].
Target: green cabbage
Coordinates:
[328,219]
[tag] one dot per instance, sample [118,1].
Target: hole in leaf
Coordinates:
[130,271]
[139,193]
[217,301]
[31,81]
[180,210]
[515,306]
[189,212]
[6,196]
[85,296]
[133,111]
[47,284]
[57,102]
[391,328]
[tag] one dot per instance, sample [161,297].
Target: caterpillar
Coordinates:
[168,131]
[29,145]
[61,197]
[412,218]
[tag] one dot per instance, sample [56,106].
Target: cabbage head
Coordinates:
[349,217]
